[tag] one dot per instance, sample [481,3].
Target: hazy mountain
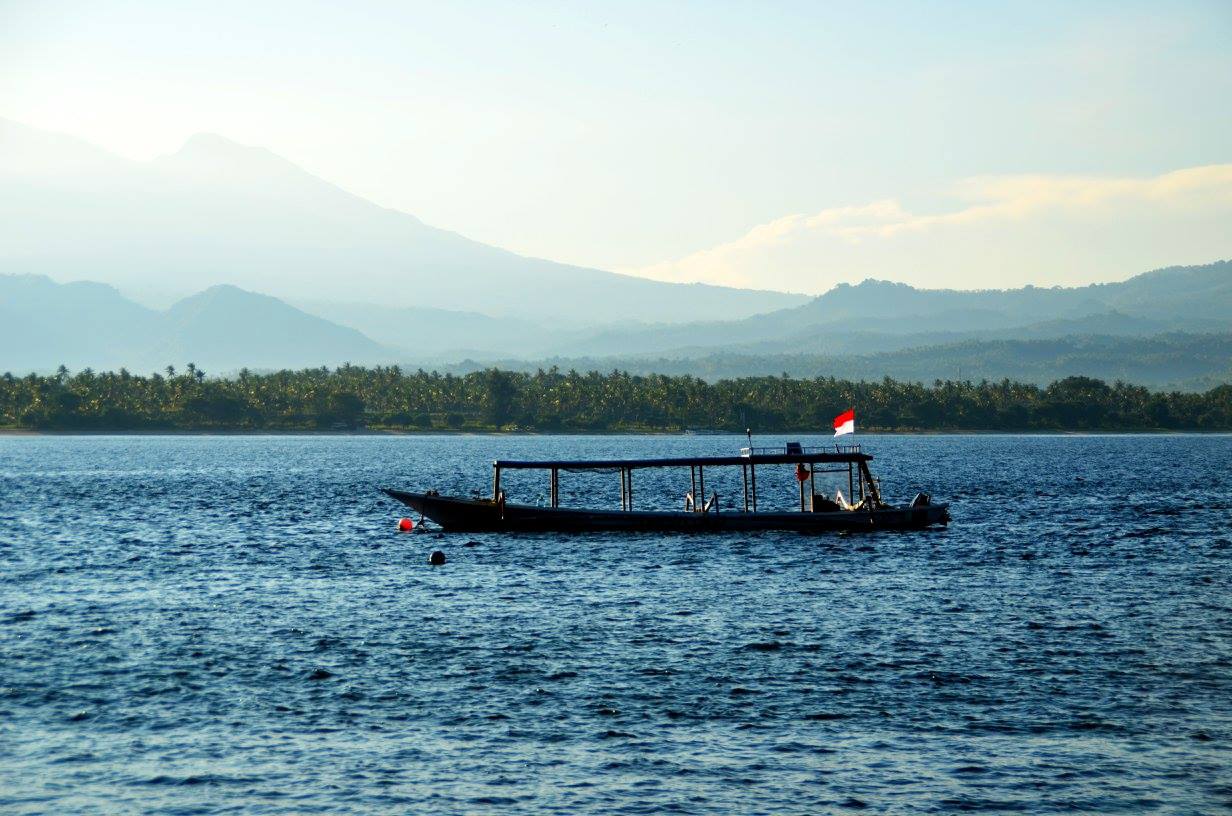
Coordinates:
[217,212]
[28,152]
[44,324]
[873,316]
[1173,294]
[1167,328]
[882,316]
[1189,362]
[347,280]
[227,328]
[425,334]
[222,329]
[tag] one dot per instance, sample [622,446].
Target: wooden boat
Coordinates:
[816,514]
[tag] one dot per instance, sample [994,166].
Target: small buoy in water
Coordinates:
[437,558]
[406,525]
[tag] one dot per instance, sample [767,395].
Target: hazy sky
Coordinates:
[787,145]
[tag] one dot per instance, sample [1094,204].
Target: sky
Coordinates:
[779,145]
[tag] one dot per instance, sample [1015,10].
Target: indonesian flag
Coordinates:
[845,423]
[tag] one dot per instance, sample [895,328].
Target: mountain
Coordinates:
[426,334]
[217,212]
[226,328]
[44,324]
[1176,294]
[1167,328]
[867,318]
[28,152]
[876,316]
[1180,361]
[222,329]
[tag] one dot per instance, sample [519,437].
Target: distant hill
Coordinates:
[426,334]
[872,317]
[1176,294]
[225,326]
[217,212]
[878,316]
[44,324]
[1186,362]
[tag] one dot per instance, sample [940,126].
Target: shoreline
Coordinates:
[25,432]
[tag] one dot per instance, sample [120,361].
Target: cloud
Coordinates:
[998,231]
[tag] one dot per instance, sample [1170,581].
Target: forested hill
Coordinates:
[351,398]
[1175,361]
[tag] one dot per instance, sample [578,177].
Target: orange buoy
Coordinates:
[406,525]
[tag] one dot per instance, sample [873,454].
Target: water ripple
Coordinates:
[208,625]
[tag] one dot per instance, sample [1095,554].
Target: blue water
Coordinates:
[210,625]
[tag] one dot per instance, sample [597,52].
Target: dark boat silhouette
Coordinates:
[816,514]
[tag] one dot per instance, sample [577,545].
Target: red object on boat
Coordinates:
[406,525]
[802,473]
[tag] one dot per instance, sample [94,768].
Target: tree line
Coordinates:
[386,397]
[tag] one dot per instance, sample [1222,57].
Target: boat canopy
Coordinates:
[791,455]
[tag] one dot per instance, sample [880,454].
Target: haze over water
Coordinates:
[200,625]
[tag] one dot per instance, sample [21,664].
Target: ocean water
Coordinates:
[233,624]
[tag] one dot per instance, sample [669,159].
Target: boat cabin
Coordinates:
[809,462]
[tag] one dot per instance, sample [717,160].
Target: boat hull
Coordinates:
[483,515]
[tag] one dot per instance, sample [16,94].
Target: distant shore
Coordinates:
[369,401]
[15,432]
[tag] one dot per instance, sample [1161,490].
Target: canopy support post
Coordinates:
[867,476]
[813,488]
[495,481]
[701,487]
[753,482]
[554,488]
[744,471]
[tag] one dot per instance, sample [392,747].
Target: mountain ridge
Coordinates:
[220,212]
[225,328]
[82,324]
[1167,361]
[1198,297]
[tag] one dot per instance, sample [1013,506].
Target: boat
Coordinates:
[816,513]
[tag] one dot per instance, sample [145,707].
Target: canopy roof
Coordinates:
[807,457]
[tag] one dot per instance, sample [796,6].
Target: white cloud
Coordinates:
[1001,231]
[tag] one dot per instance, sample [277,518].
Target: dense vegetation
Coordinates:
[385,397]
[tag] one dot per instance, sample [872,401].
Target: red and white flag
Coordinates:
[845,423]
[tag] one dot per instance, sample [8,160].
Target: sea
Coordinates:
[234,624]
